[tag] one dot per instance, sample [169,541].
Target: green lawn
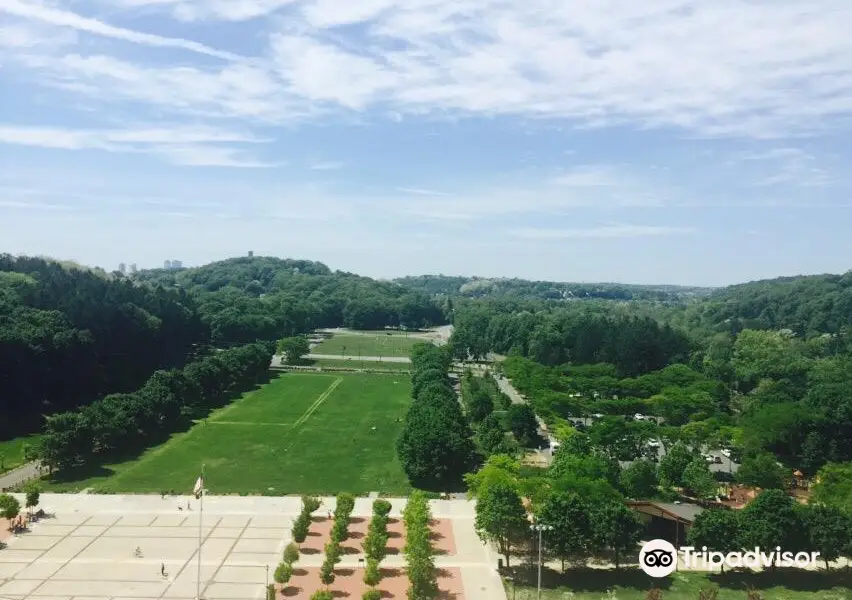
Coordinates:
[378,344]
[12,451]
[301,433]
[632,584]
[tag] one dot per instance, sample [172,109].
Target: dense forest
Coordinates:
[70,335]
[521,289]
[250,298]
[764,366]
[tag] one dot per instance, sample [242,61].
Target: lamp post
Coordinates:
[541,528]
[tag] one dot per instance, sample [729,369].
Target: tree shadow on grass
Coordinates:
[79,474]
[588,580]
[800,580]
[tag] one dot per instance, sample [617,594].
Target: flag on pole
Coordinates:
[199,487]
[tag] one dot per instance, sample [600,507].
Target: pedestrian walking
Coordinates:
[163,569]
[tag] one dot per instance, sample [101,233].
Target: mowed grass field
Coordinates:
[301,433]
[12,451]
[368,344]
[632,584]
[354,363]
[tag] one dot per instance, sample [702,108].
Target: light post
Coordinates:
[541,528]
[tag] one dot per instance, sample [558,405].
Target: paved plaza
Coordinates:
[85,550]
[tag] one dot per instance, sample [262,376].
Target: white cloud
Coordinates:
[786,166]
[782,67]
[179,145]
[37,11]
[608,231]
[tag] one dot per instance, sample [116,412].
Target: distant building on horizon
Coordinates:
[133,268]
[167,265]
[251,253]
[122,268]
[170,265]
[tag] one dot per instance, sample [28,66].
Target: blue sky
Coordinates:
[664,141]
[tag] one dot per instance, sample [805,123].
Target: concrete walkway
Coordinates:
[86,548]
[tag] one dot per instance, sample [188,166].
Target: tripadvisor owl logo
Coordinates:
[658,558]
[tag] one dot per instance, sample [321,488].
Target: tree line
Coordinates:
[125,423]
[635,345]
[69,335]
[435,446]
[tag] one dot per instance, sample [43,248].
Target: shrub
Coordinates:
[322,595]
[310,504]
[381,507]
[270,592]
[372,595]
[345,504]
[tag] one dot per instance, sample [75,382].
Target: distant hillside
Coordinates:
[521,289]
[250,298]
[806,304]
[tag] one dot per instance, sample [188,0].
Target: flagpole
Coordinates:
[200,519]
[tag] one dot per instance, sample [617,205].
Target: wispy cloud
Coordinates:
[38,11]
[421,191]
[788,166]
[181,145]
[783,68]
[607,231]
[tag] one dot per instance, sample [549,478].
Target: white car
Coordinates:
[654,444]
[726,452]
[709,458]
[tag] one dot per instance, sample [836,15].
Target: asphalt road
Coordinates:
[20,475]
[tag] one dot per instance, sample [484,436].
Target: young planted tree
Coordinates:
[300,528]
[332,552]
[33,493]
[615,528]
[718,529]
[568,515]
[372,574]
[270,592]
[323,594]
[291,553]
[310,504]
[500,516]
[372,595]
[9,507]
[327,573]
[829,531]
[283,573]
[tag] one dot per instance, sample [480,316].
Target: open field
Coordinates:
[301,433]
[379,344]
[633,584]
[354,363]
[12,451]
